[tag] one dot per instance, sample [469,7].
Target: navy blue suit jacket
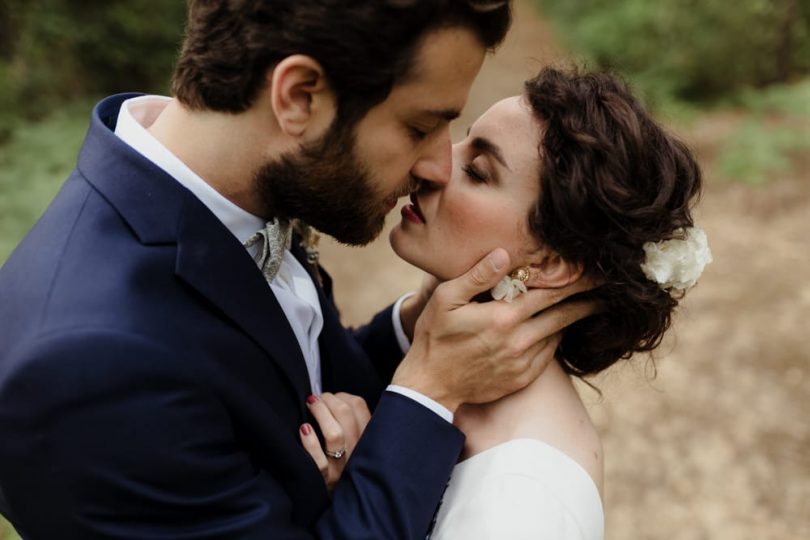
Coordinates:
[151,387]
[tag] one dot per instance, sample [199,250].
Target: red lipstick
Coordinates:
[412,212]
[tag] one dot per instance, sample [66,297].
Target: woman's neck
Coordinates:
[548,409]
[489,424]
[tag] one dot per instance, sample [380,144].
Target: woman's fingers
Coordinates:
[341,419]
[331,426]
[313,447]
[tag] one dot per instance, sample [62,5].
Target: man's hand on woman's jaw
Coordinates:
[467,352]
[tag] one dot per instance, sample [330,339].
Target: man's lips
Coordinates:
[412,212]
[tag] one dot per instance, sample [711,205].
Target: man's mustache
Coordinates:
[414,184]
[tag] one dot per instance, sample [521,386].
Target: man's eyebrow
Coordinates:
[444,114]
[486,146]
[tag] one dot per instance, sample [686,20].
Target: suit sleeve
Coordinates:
[138,448]
[379,341]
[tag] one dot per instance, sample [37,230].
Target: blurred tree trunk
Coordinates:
[784,51]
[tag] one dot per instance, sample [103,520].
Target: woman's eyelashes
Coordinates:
[474,173]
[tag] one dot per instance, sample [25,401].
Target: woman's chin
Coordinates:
[407,248]
[400,243]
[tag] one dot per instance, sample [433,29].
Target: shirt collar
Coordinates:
[134,119]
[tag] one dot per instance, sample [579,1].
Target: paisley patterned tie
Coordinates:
[275,238]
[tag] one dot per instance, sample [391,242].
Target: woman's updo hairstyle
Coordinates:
[611,179]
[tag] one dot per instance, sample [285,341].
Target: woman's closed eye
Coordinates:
[474,173]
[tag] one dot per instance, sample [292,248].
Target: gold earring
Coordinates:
[521,274]
[512,286]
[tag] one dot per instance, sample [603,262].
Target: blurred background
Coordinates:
[711,440]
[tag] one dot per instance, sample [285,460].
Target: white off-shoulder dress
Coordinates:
[520,490]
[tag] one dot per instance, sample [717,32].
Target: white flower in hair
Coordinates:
[677,263]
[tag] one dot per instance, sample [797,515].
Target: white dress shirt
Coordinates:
[293,287]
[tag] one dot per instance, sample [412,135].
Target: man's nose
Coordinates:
[436,162]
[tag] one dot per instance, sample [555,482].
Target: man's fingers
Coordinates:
[555,319]
[536,300]
[541,357]
[359,408]
[343,412]
[480,278]
[313,447]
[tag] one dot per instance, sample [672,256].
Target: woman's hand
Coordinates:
[342,418]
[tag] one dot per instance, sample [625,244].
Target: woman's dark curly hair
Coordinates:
[611,179]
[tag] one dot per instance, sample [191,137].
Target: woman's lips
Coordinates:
[412,212]
[409,214]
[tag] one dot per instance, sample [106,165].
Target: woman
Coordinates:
[575,180]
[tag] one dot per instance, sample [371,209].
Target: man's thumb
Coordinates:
[484,275]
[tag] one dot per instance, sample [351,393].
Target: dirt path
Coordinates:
[718,445]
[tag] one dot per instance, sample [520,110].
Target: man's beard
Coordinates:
[325,185]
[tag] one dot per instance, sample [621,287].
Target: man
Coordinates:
[153,378]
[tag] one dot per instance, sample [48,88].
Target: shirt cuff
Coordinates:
[399,332]
[423,400]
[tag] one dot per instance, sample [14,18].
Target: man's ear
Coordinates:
[551,271]
[301,97]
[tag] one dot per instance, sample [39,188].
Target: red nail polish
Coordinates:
[306,429]
[312,399]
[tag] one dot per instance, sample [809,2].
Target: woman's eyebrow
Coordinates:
[485,146]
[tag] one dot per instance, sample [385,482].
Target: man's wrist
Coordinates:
[409,311]
[413,379]
[423,400]
[403,338]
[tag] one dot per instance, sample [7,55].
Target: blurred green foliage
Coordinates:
[688,50]
[56,58]
[52,51]
[34,162]
[777,126]
[686,56]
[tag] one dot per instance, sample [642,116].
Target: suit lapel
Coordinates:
[212,261]
[209,258]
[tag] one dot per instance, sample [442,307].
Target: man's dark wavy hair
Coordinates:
[365,47]
[611,179]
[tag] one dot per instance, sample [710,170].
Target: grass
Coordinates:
[34,162]
[7,531]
